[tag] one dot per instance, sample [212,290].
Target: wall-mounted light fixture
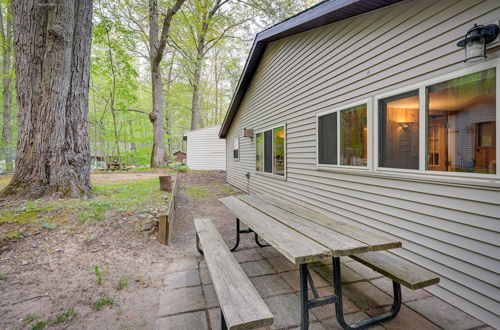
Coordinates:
[248,132]
[475,41]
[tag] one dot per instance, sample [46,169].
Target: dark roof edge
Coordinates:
[322,14]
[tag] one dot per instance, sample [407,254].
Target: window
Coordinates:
[398,131]
[270,151]
[461,124]
[343,137]
[236,148]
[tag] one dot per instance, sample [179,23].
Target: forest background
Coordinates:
[208,44]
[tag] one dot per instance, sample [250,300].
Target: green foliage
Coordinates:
[61,318]
[40,325]
[3,276]
[29,318]
[122,283]
[98,275]
[16,234]
[103,301]
[45,224]
[196,192]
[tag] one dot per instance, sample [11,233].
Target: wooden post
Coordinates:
[166,183]
[163,229]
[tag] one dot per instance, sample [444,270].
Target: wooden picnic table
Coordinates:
[305,237]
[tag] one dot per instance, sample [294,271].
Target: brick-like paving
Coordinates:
[188,299]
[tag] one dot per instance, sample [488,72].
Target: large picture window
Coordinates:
[343,137]
[443,126]
[270,151]
[461,124]
[398,128]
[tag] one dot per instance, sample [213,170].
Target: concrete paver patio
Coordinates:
[188,300]
[195,306]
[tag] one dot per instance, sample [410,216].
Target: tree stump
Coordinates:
[166,183]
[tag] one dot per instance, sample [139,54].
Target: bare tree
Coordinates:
[157,44]
[52,47]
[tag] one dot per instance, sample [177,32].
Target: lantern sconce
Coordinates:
[476,40]
[248,132]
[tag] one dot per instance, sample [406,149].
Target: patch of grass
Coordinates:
[61,318]
[38,205]
[3,276]
[27,213]
[98,275]
[29,318]
[4,180]
[89,238]
[46,224]
[110,196]
[196,192]
[16,234]
[40,325]
[122,283]
[103,301]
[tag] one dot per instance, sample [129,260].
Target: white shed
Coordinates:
[205,151]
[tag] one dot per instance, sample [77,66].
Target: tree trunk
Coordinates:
[195,100]
[52,47]
[157,46]
[168,114]
[6,33]
[156,117]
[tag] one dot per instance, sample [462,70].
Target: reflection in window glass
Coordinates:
[259,152]
[462,123]
[353,136]
[268,151]
[236,148]
[327,139]
[398,131]
[279,150]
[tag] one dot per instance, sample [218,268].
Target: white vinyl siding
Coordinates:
[205,151]
[448,225]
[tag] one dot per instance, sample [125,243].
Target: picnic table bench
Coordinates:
[240,303]
[306,238]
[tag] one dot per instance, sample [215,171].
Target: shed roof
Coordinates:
[324,13]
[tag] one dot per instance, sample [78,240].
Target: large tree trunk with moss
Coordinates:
[52,47]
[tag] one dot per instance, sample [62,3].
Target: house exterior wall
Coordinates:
[205,151]
[448,225]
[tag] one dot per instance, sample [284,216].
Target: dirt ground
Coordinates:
[48,276]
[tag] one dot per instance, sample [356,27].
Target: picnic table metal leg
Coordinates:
[246,231]
[238,232]
[259,243]
[223,324]
[339,308]
[306,304]
[198,245]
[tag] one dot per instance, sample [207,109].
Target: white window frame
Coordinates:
[236,140]
[421,87]
[369,145]
[273,175]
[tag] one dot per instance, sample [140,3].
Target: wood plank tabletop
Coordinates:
[373,241]
[339,244]
[294,245]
